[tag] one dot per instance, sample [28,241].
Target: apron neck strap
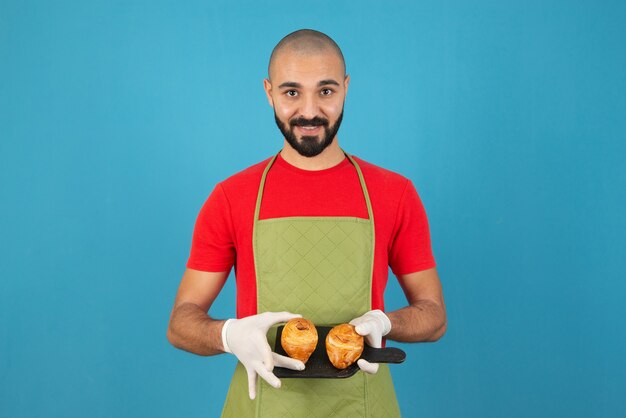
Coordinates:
[368,202]
[370,211]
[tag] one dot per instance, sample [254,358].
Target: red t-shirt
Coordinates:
[223,232]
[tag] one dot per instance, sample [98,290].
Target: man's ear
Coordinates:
[346,81]
[267,85]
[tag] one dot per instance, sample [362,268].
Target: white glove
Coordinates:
[373,325]
[246,338]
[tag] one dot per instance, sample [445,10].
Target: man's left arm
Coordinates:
[423,320]
[425,317]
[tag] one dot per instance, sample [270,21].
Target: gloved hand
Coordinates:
[373,325]
[246,338]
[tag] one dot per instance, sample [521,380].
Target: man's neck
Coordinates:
[330,157]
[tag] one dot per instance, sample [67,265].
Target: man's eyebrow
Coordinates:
[290,84]
[293,84]
[327,82]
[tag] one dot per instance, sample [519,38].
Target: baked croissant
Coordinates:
[299,339]
[343,345]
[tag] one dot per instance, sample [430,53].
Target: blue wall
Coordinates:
[117,119]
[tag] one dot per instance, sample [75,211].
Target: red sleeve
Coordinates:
[410,249]
[212,246]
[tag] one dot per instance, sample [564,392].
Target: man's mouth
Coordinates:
[308,129]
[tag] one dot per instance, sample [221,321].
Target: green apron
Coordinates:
[320,267]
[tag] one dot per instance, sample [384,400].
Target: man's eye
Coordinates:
[292,93]
[326,92]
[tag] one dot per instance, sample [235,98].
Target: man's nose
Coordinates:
[310,107]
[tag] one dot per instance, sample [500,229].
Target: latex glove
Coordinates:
[246,338]
[373,325]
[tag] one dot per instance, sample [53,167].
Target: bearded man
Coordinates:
[311,232]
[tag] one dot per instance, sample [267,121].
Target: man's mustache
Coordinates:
[316,121]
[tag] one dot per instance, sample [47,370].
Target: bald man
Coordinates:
[311,232]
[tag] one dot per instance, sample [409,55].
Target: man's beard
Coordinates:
[309,146]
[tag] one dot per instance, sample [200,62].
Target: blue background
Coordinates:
[118,118]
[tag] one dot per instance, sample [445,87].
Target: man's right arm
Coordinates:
[190,327]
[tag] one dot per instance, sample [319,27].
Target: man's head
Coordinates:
[307,86]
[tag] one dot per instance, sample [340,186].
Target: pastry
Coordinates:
[299,339]
[343,345]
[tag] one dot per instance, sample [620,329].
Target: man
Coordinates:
[310,232]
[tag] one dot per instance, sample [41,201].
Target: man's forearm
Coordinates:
[423,320]
[191,329]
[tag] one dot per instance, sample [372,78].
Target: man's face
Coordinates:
[307,93]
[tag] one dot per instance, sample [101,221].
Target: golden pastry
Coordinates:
[343,345]
[299,339]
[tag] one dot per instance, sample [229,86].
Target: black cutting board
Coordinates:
[319,366]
